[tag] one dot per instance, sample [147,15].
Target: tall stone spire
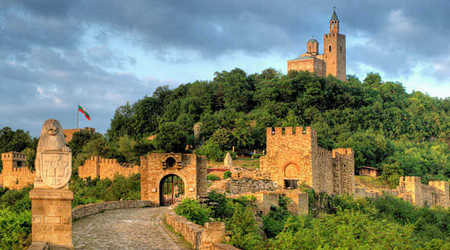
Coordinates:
[334,22]
[334,15]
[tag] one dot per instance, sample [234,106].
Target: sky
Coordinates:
[105,53]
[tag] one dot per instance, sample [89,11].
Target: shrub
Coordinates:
[345,230]
[246,201]
[220,206]
[193,211]
[212,151]
[14,228]
[273,223]
[244,230]
[96,190]
[227,174]
[16,200]
[213,177]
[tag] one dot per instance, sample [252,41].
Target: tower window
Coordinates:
[329,48]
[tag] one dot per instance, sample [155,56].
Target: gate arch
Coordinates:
[172,189]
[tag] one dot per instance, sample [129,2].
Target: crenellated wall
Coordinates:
[289,156]
[99,167]
[436,193]
[15,174]
[294,156]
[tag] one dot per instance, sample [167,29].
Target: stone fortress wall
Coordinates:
[99,167]
[436,193]
[15,174]
[410,189]
[293,158]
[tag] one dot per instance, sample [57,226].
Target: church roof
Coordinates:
[312,40]
[334,16]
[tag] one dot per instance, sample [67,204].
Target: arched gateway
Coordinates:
[172,189]
[169,177]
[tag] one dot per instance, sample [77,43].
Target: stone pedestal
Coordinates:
[51,211]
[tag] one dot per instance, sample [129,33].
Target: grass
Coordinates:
[247,163]
[372,182]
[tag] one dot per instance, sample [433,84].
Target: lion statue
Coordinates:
[52,138]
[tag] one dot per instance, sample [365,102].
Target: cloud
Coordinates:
[52,84]
[55,54]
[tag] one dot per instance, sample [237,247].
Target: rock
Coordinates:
[228,162]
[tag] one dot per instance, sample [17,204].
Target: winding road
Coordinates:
[134,228]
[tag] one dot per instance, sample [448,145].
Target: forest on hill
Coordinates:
[397,132]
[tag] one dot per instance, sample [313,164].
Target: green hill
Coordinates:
[397,132]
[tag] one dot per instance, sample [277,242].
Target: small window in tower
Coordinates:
[329,48]
[290,184]
[340,48]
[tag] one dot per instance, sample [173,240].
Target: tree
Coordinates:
[145,116]
[171,138]
[121,124]
[371,148]
[79,139]
[126,148]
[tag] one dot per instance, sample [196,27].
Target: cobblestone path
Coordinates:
[138,228]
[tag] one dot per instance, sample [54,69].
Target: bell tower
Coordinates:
[334,50]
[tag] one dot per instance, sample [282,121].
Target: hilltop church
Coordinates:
[331,62]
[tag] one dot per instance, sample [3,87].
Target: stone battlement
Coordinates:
[294,158]
[15,173]
[99,167]
[15,156]
[342,151]
[290,131]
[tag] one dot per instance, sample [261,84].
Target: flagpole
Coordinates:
[78,118]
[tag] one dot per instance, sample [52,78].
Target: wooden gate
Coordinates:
[172,189]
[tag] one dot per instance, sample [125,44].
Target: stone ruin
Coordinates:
[228,161]
[412,190]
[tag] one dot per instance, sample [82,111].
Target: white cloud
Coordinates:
[399,23]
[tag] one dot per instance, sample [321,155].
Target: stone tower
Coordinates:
[334,50]
[331,62]
[15,174]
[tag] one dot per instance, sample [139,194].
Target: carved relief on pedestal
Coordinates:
[56,168]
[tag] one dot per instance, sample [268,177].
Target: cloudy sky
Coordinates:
[102,54]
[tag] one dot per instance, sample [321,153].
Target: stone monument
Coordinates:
[228,162]
[51,199]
